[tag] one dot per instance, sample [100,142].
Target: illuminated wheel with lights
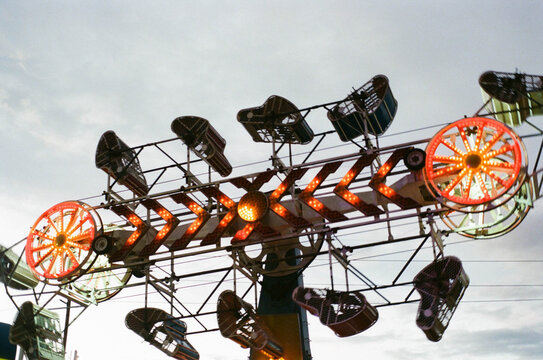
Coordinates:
[100,283]
[59,242]
[281,257]
[483,223]
[475,161]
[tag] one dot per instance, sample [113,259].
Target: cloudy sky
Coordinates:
[69,71]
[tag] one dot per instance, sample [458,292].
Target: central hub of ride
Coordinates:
[473,161]
[60,240]
[253,206]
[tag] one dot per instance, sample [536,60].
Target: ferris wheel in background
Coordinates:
[472,178]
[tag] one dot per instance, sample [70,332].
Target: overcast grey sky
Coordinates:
[69,71]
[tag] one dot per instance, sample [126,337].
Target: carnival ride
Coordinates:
[262,230]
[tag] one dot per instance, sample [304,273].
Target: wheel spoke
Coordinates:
[495,214]
[496,177]
[482,185]
[445,171]
[52,224]
[71,222]
[43,235]
[62,263]
[77,244]
[79,225]
[501,167]
[500,151]
[86,236]
[447,159]
[42,247]
[464,220]
[489,144]
[119,281]
[43,257]
[464,138]
[452,147]
[479,137]
[61,219]
[455,182]
[468,184]
[105,283]
[51,263]
[74,260]
[481,218]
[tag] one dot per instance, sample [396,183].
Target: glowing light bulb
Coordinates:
[253,206]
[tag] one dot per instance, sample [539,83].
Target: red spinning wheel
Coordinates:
[474,161]
[59,243]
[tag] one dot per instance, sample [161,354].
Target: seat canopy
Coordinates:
[512,97]
[204,140]
[163,331]
[368,110]
[441,285]
[346,313]
[120,162]
[277,120]
[239,322]
[37,331]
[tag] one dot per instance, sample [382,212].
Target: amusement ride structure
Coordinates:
[154,228]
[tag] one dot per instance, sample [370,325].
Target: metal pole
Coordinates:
[328,240]
[172,285]
[21,353]
[66,324]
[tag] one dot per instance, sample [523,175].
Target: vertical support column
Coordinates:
[286,321]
